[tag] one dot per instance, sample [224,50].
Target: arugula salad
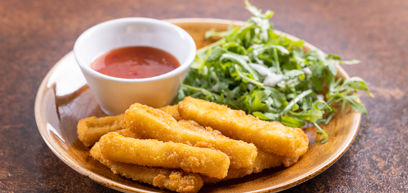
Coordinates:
[270,76]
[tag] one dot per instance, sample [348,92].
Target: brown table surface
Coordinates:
[34,35]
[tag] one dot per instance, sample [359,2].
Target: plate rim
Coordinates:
[126,188]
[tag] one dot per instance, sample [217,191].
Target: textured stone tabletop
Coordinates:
[34,35]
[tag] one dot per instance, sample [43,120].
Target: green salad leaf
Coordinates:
[270,76]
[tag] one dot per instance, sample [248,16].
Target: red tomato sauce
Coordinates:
[135,62]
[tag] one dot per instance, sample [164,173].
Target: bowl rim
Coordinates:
[60,153]
[184,65]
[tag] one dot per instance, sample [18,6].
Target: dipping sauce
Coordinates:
[135,62]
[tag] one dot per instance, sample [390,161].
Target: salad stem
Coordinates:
[322,132]
[295,100]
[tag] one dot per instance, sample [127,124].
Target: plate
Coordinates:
[64,97]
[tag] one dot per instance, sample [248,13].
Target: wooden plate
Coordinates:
[63,98]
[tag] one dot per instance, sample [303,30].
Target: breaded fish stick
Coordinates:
[172,110]
[92,128]
[170,179]
[232,174]
[128,133]
[272,137]
[266,160]
[263,161]
[150,152]
[154,123]
[242,154]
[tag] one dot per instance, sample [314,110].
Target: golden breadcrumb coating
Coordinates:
[151,152]
[92,128]
[156,124]
[128,133]
[171,179]
[263,161]
[272,137]
[172,110]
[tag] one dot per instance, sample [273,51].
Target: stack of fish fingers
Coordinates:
[184,146]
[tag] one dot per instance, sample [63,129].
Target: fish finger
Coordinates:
[92,128]
[263,161]
[232,174]
[272,137]
[154,123]
[174,180]
[266,160]
[150,152]
[172,110]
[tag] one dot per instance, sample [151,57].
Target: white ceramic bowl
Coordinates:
[114,95]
